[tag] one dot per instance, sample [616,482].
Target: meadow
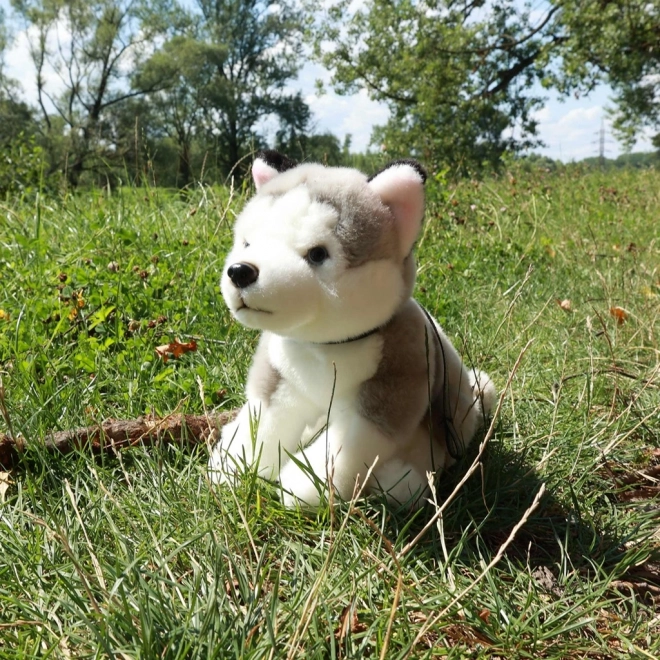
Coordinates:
[550,281]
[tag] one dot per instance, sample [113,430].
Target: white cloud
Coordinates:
[542,115]
[571,128]
[356,114]
[19,64]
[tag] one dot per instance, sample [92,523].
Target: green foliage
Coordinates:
[137,555]
[458,76]
[105,37]
[455,77]
[22,166]
[177,93]
[227,71]
[626,161]
[614,42]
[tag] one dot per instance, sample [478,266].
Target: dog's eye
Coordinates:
[317,255]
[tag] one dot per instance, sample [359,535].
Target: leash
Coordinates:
[455,445]
[364,335]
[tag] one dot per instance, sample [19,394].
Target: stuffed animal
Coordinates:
[349,368]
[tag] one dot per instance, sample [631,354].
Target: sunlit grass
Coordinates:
[140,556]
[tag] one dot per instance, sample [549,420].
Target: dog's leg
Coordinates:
[472,403]
[263,434]
[400,482]
[341,455]
[470,392]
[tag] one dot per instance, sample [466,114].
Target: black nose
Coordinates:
[242,274]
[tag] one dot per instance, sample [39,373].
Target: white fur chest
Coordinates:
[315,370]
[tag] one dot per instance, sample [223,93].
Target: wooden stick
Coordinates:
[113,435]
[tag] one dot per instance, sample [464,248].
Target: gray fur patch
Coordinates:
[263,376]
[396,399]
[410,387]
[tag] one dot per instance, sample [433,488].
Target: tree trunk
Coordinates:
[184,170]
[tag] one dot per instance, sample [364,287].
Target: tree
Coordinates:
[177,109]
[617,43]
[82,51]
[296,137]
[228,72]
[455,75]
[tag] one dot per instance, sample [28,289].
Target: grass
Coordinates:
[138,556]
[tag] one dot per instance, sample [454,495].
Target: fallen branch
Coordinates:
[113,435]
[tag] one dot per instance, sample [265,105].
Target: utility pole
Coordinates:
[601,143]
[602,134]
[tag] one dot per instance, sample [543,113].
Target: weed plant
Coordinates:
[139,556]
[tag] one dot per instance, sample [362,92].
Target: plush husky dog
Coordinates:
[349,368]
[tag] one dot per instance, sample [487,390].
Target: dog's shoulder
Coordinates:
[264,376]
[397,395]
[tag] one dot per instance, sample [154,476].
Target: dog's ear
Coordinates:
[268,164]
[400,186]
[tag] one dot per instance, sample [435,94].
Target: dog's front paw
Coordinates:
[222,468]
[300,485]
[233,453]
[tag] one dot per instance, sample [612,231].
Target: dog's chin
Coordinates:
[252,317]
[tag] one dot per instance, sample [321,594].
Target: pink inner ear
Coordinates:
[402,189]
[262,172]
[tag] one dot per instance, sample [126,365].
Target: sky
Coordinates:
[569,128]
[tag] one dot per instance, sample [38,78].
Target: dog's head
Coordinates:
[323,254]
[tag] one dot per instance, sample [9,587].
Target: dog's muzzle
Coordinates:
[242,274]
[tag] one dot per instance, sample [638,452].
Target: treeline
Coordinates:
[636,160]
[177,92]
[132,90]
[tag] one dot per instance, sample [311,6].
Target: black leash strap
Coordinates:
[455,445]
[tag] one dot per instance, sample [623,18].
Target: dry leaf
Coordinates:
[619,314]
[546,579]
[565,304]
[348,621]
[417,617]
[175,349]
[252,633]
[344,623]
[484,615]
[64,648]
[640,494]
[458,633]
